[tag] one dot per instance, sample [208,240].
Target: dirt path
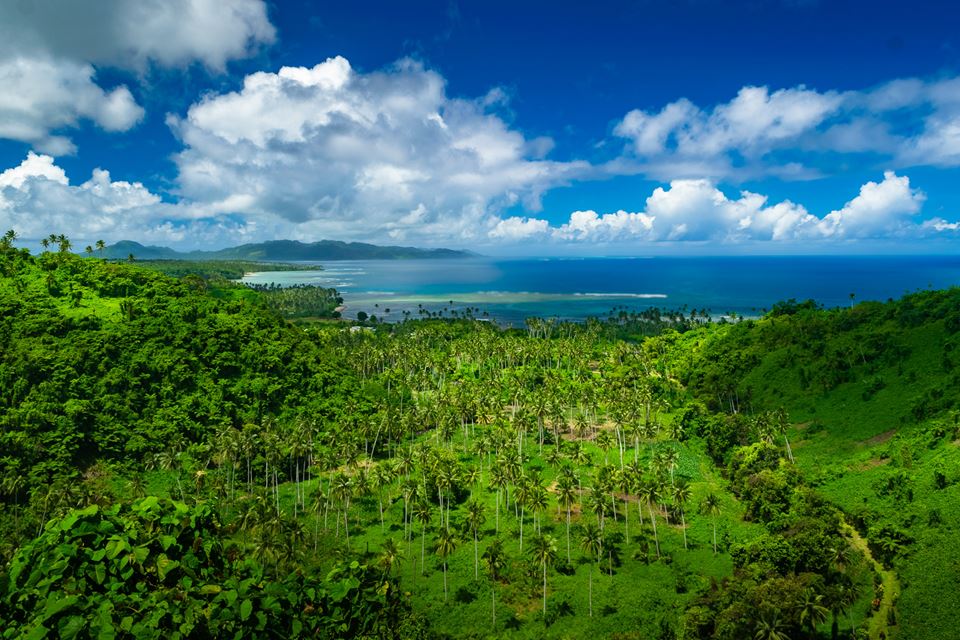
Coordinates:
[877,623]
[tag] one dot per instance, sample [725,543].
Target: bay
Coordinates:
[511,290]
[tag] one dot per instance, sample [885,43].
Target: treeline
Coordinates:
[217,269]
[300,300]
[110,362]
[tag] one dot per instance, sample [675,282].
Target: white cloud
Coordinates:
[754,123]
[41,96]
[37,199]
[696,210]
[589,226]
[939,225]
[882,208]
[330,152]
[519,228]
[49,50]
[33,167]
[131,34]
[910,122]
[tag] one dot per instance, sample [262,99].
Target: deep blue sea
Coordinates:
[510,290]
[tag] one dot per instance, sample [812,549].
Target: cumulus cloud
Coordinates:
[910,122]
[519,228]
[41,96]
[587,225]
[131,34]
[696,210]
[36,199]
[49,50]
[880,208]
[328,151]
[754,123]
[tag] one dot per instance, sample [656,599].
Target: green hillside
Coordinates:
[179,458]
[281,250]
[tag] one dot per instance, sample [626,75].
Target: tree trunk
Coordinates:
[683,527]
[653,519]
[544,591]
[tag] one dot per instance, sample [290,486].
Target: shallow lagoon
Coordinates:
[510,290]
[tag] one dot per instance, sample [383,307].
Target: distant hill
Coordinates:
[283,250]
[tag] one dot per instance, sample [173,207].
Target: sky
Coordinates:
[509,128]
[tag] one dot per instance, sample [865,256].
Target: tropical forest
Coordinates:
[183,456]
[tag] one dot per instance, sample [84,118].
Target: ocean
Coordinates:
[511,290]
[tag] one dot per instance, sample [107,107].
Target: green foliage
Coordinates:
[649,475]
[158,569]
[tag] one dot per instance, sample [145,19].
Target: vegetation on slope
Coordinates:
[543,483]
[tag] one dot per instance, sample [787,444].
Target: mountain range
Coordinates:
[283,250]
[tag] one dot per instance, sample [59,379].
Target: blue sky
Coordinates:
[698,126]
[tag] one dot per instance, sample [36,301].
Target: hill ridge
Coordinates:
[279,250]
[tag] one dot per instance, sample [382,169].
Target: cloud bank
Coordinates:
[781,133]
[696,210]
[320,149]
[50,49]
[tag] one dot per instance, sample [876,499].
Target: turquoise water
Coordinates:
[568,288]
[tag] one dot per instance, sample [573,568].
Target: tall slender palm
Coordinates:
[681,496]
[423,513]
[498,480]
[649,492]
[566,496]
[475,519]
[781,422]
[544,550]
[446,545]
[591,541]
[342,487]
[538,502]
[101,245]
[521,495]
[380,478]
[495,561]
[711,506]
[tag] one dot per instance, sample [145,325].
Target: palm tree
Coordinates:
[566,496]
[390,555]
[475,519]
[812,611]
[342,487]
[770,626]
[781,423]
[681,495]
[544,550]
[101,245]
[649,492]
[423,513]
[446,544]
[591,541]
[495,561]
[711,506]
[89,250]
[538,502]
[498,480]
[380,478]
